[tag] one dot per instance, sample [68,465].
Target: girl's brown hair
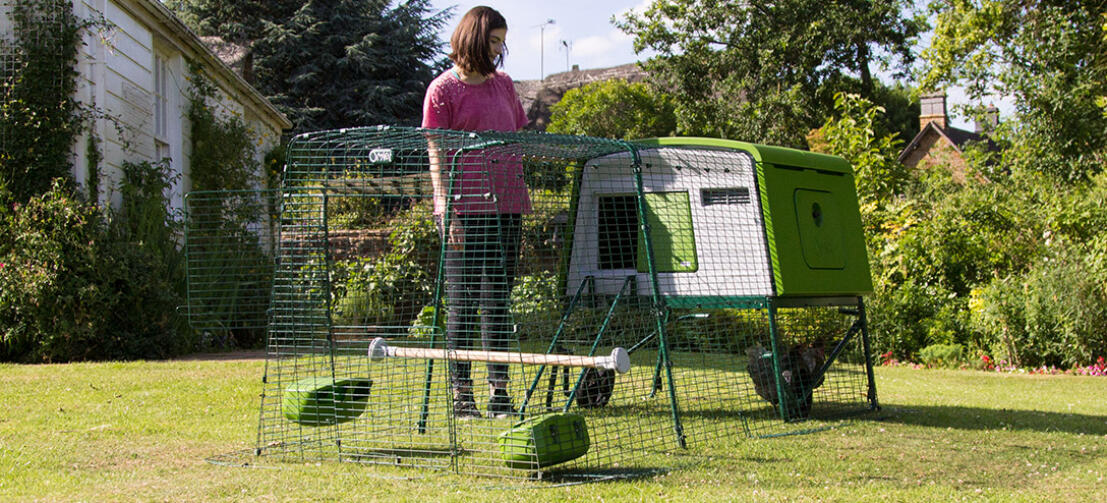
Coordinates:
[469,43]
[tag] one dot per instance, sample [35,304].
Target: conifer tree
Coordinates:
[332,63]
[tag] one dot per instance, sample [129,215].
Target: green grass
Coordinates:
[140,431]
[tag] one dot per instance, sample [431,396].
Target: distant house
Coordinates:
[938,144]
[137,73]
[538,96]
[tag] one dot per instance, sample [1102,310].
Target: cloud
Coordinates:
[637,9]
[599,45]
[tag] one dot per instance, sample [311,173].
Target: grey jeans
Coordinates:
[481,258]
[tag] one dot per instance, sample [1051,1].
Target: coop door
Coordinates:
[820,229]
[669,215]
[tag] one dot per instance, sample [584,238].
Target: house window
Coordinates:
[618,232]
[727,196]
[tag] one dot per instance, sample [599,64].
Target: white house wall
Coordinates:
[6,27]
[730,241]
[116,76]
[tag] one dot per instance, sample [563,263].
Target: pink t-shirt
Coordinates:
[489,106]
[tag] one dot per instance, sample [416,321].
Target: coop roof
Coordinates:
[780,156]
[316,151]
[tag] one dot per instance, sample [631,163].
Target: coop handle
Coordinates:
[618,360]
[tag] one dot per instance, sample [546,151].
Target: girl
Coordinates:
[489,199]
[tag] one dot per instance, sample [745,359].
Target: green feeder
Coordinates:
[544,440]
[320,401]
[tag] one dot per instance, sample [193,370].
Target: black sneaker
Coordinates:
[466,410]
[500,407]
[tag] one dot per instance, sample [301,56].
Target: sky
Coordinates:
[535,47]
[582,34]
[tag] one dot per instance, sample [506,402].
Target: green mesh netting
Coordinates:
[429,291]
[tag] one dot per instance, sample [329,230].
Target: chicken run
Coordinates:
[623,299]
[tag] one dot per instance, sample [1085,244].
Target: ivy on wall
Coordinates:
[224,155]
[39,117]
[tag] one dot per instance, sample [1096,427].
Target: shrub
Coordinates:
[614,109]
[421,326]
[74,286]
[1054,315]
[909,317]
[393,288]
[942,355]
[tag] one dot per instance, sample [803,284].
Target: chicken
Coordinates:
[799,366]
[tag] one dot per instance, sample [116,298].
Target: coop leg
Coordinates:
[599,335]
[838,348]
[656,377]
[553,345]
[678,427]
[782,392]
[873,403]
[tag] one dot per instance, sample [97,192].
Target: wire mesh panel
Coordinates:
[521,305]
[229,247]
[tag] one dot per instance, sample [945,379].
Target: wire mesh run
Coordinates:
[230,242]
[534,305]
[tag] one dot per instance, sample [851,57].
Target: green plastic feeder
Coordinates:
[320,401]
[544,440]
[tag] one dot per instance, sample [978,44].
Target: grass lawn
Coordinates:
[140,431]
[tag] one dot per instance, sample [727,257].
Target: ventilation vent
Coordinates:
[736,195]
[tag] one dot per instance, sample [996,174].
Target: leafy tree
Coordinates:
[1051,56]
[901,109]
[853,134]
[614,109]
[768,72]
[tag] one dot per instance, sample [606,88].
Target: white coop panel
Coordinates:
[709,214]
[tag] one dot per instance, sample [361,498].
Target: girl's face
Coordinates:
[496,39]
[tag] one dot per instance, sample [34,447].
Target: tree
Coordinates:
[768,72]
[343,63]
[853,134]
[332,63]
[1050,56]
[240,21]
[614,109]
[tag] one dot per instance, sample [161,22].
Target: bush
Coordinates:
[909,317]
[1054,315]
[74,286]
[421,327]
[614,109]
[393,288]
[942,355]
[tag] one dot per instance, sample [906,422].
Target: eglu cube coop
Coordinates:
[573,306]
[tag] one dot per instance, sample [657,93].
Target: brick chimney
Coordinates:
[991,120]
[933,109]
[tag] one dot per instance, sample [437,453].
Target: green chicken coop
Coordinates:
[622,300]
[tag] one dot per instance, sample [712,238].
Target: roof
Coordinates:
[956,137]
[200,51]
[537,96]
[782,156]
